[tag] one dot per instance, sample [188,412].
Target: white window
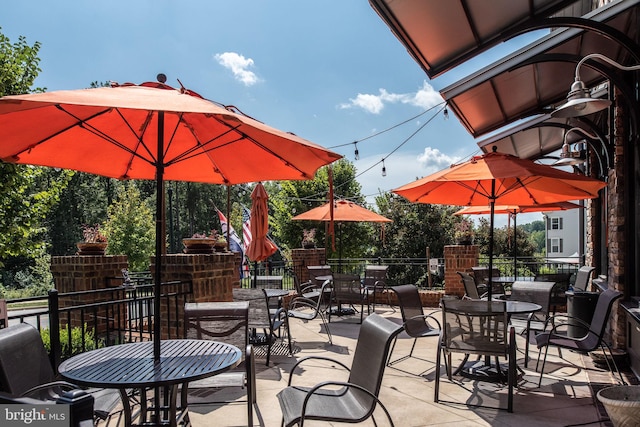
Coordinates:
[555,245]
[556,224]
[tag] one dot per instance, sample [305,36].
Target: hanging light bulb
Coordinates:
[384,169]
[356,153]
[446,113]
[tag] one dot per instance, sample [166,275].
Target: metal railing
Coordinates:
[75,322]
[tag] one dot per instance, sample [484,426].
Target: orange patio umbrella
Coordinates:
[342,211]
[261,247]
[151,131]
[498,178]
[514,210]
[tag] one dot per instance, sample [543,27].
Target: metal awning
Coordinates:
[443,34]
[536,77]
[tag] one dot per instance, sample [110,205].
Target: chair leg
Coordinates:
[544,360]
[437,384]
[326,326]
[511,376]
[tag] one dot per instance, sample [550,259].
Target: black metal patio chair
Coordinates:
[26,372]
[350,401]
[593,339]
[416,324]
[227,322]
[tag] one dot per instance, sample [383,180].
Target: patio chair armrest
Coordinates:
[64,385]
[308,286]
[576,322]
[306,359]
[427,316]
[301,302]
[324,384]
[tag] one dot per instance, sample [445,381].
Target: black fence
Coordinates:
[74,322]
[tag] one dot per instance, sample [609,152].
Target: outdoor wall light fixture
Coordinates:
[579,101]
[569,157]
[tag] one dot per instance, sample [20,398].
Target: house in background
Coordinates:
[563,232]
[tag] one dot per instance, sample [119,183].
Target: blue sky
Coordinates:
[329,71]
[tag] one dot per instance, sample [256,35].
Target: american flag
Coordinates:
[246,228]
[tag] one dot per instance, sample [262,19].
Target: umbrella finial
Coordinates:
[162,78]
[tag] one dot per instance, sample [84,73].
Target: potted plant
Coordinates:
[94,243]
[309,238]
[203,243]
[463,232]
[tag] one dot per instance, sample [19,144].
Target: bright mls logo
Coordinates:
[34,415]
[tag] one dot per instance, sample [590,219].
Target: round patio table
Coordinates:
[482,369]
[132,366]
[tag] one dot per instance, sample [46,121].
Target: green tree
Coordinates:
[415,227]
[130,229]
[291,198]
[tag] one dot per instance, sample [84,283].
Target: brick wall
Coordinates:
[458,258]
[213,277]
[79,273]
[301,258]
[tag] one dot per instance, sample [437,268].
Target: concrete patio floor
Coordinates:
[566,398]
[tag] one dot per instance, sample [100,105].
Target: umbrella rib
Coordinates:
[84,124]
[257,143]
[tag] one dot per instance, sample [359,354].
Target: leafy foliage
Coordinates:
[79,342]
[130,228]
[294,197]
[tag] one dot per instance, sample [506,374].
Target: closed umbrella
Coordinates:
[151,131]
[498,178]
[261,247]
[514,210]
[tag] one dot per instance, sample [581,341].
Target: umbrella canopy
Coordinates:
[503,179]
[343,210]
[515,210]
[260,247]
[151,131]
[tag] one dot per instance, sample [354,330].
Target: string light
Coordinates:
[384,169]
[446,113]
[356,153]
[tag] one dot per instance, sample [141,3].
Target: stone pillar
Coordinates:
[212,277]
[77,273]
[458,258]
[301,258]
[616,224]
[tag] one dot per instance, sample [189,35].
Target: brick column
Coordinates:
[78,273]
[616,224]
[458,258]
[212,276]
[301,258]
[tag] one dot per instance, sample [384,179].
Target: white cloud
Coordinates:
[425,97]
[239,66]
[433,160]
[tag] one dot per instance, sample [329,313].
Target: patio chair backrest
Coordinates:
[535,292]
[470,288]
[475,327]
[600,318]
[219,321]
[374,274]
[24,362]
[347,288]
[371,353]
[411,309]
[582,278]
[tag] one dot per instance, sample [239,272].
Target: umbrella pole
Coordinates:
[492,204]
[159,237]
[515,245]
